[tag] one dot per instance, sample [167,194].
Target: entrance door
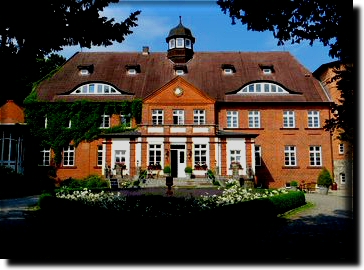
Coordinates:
[178,160]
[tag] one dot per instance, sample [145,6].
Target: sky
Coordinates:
[209,25]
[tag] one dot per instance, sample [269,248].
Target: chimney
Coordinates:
[145,50]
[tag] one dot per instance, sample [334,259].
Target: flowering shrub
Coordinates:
[234,193]
[101,200]
[159,206]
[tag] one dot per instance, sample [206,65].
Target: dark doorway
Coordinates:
[174,163]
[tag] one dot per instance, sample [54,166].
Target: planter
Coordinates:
[323,190]
[188,175]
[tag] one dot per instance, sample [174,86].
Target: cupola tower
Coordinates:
[180,44]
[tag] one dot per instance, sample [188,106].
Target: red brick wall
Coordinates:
[85,162]
[272,138]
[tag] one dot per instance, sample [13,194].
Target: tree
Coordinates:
[31,30]
[327,21]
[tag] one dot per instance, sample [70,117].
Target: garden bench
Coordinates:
[311,187]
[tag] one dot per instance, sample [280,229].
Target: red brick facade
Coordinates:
[221,108]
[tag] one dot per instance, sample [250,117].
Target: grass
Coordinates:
[297,210]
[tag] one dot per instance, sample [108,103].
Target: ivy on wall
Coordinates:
[85,120]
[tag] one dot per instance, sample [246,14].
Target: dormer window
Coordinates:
[132,69]
[96,89]
[84,72]
[180,69]
[85,69]
[267,69]
[228,68]
[262,87]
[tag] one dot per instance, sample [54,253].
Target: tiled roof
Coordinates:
[204,71]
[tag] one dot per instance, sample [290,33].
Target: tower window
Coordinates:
[180,42]
[188,44]
[172,43]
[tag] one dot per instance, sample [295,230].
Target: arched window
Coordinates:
[262,88]
[96,89]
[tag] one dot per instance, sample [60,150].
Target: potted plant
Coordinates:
[324,181]
[167,170]
[188,171]
[294,185]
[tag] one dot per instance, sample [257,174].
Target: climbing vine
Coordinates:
[57,124]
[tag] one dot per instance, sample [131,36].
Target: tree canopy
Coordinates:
[31,30]
[327,21]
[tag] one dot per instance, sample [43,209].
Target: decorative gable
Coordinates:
[178,91]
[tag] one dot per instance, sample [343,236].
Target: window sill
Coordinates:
[314,167]
[290,167]
[69,167]
[98,167]
[289,128]
[313,128]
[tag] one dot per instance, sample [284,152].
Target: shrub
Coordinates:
[288,201]
[324,178]
[294,183]
[188,169]
[95,181]
[167,169]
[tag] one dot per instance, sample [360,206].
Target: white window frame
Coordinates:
[125,120]
[254,119]
[313,119]
[179,72]
[235,156]
[341,148]
[199,117]
[157,117]
[315,156]
[200,154]
[180,42]
[188,43]
[69,156]
[290,156]
[131,71]
[178,117]
[228,71]
[120,156]
[289,119]
[232,119]
[84,72]
[96,89]
[262,88]
[155,154]
[99,155]
[267,71]
[172,43]
[105,121]
[258,155]
[45,157]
